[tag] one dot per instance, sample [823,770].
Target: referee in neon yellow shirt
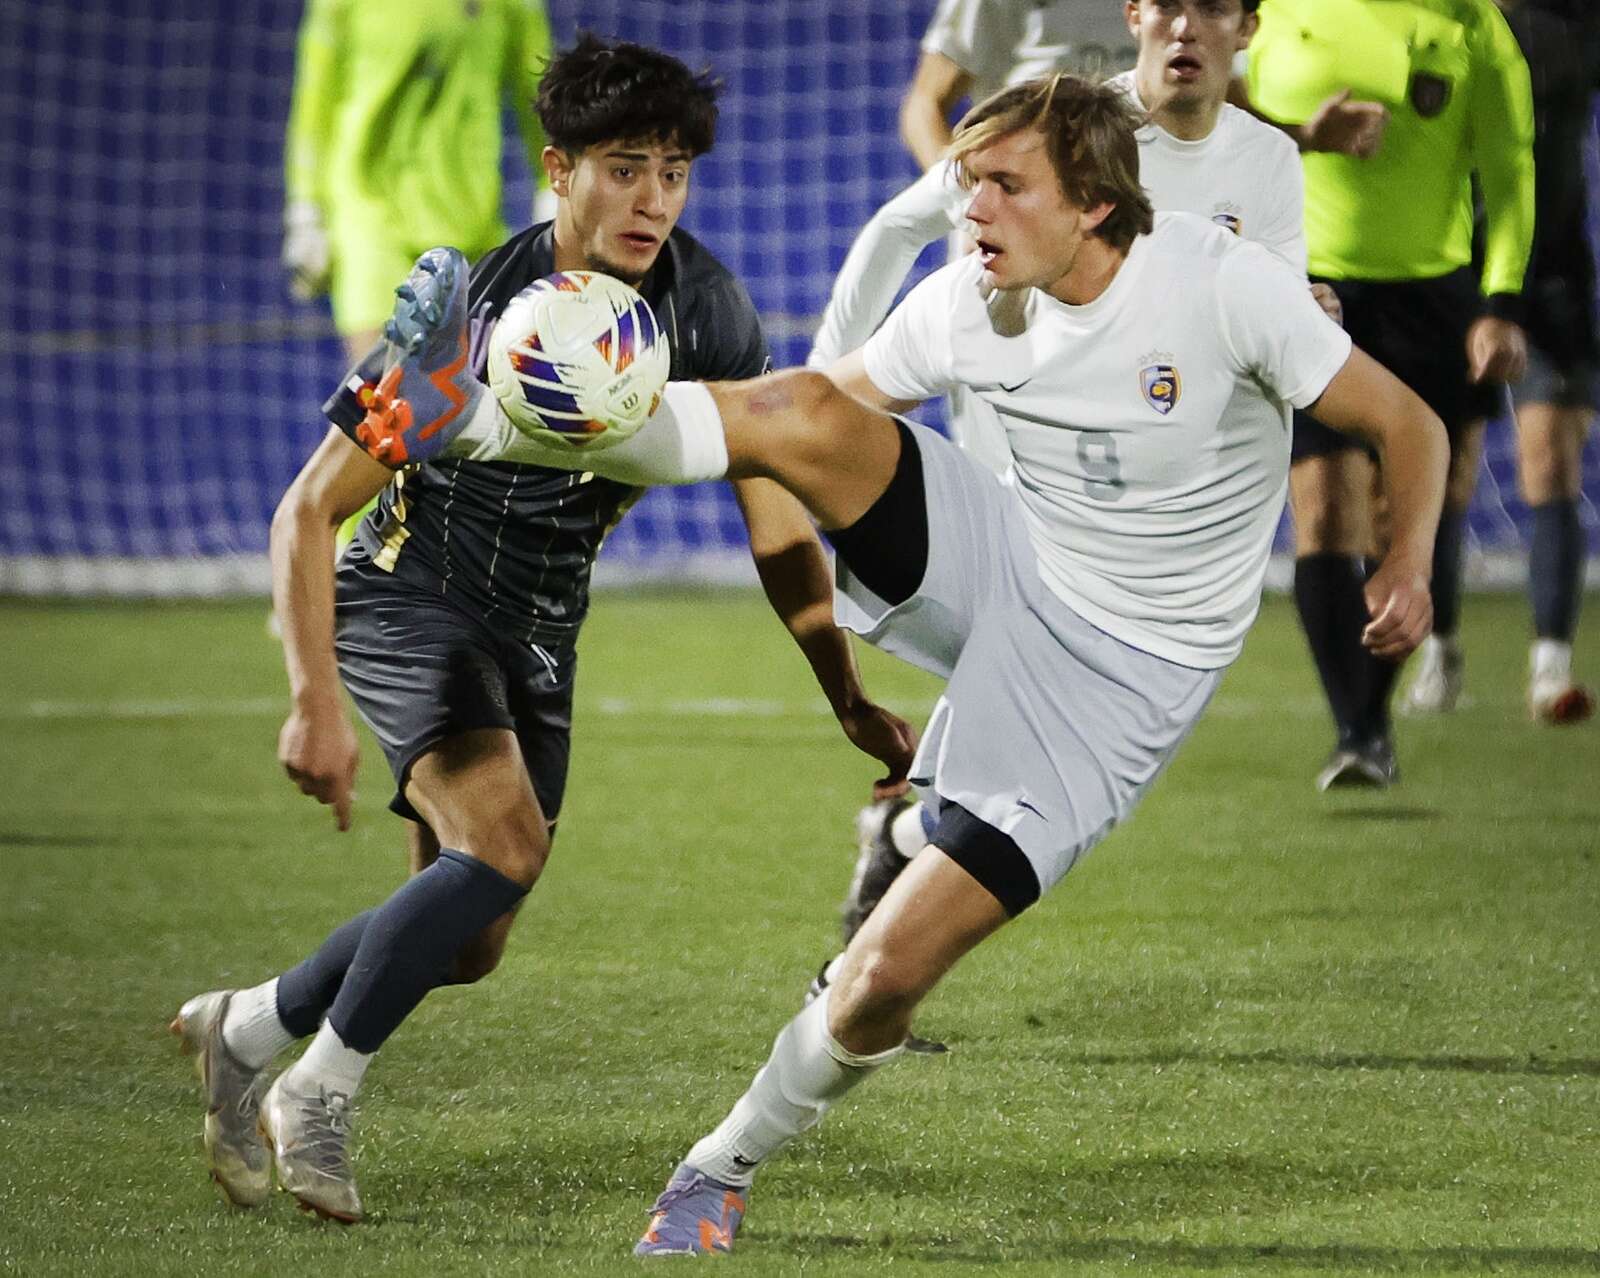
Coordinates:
[394,141]
[1392,232]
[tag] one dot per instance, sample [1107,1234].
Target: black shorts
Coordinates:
[1561,345]
[1417,329]
[421,669]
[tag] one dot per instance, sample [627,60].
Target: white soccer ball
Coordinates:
[577,360]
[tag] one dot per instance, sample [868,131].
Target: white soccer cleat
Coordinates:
[1441,674]
[1554,696]
[309,1133]
[234,1152]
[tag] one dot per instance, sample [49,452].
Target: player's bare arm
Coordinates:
[317,746]
[1367,400]
[849,374]
[795,574]
[936,87]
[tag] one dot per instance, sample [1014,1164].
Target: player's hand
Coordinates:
[1497,351]
[886,737]
[1401,608]
[318,750]
[307,254]
[1350,128]
[1324,296]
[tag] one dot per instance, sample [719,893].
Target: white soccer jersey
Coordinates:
[1244,175]
[1149,428]
[1001,42]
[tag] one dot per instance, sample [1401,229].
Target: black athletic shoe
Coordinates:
[878,863]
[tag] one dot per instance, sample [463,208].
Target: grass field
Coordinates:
[1260,1031]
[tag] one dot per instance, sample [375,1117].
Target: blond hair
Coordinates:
[1089,135]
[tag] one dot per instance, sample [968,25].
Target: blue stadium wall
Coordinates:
[158,386]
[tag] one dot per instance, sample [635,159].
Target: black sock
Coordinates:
[307,990]
[410,941]
[1379,678]
[1555,569]
[1327,592]
[1447,572]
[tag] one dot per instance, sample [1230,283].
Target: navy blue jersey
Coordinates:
[514,543]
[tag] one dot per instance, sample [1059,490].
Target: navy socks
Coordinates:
[400,950]
[1555,569]
[1446,586]
[307,990]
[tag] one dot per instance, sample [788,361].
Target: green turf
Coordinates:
[1260,1031]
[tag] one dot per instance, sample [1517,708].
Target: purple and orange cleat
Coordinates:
[423,397]
[694,1216]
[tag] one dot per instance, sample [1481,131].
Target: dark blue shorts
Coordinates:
[420,669]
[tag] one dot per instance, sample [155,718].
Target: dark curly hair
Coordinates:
[601,91]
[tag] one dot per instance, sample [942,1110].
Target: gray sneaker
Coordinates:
[310,1138]
[234,1152]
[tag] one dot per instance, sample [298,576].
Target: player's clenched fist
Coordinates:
[319,752]
[1401,607]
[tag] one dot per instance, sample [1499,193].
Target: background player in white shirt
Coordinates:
[1144,369]
[1197,154]
[974,48]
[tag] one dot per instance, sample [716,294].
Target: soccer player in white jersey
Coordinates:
[1083,615]
[974,48]
[1197,154]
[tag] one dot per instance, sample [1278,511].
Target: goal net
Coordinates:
[159,386]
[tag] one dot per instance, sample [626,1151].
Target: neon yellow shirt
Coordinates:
[1467,108]
[394,127]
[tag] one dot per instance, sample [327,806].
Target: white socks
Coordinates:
[681,443]
[329,1065]
[1551,659]
[254,1034]
[251,1029]
[807,1071]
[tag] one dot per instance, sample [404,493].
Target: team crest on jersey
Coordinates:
[1429,94]
[1162,387]
[1227,215]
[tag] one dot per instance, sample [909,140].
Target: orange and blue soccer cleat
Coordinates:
[425,395]
[694,1215]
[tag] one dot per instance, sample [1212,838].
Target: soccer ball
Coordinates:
[577,360]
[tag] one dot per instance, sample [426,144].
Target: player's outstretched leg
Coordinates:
[933,914]
[234,1152]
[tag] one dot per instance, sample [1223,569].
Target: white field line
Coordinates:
[611,707]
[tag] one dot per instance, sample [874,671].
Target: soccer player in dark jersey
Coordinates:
[1555,401]
[452,622]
